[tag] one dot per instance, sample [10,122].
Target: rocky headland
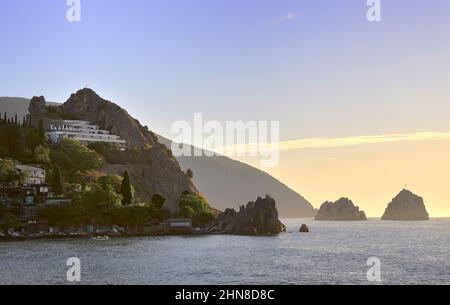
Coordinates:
[154,169]
[256,218]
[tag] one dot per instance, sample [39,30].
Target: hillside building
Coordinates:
[82,131]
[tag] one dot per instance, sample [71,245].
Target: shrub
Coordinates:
[158,201]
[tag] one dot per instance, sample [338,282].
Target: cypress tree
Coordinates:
[125,190]
[57,183]
[41,132]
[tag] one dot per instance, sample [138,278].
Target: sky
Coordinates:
[316,66]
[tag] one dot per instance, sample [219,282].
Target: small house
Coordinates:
[178,226]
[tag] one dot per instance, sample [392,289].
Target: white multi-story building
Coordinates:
[31,175]
[82,131]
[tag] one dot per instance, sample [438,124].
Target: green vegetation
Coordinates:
[113,155]
[11,221]
[8,172]
[125,190]
[197,208]
[53,112]
[73,170]
[158,201]
[57,182]
[75,159]
[22,143]
[42,155]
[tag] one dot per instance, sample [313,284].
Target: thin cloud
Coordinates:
[286,18]
[343,142]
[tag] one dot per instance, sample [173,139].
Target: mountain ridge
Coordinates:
[211,174]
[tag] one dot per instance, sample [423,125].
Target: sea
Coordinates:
[374,252]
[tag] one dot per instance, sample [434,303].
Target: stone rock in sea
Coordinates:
[304,229]
[406,206]
[257,218]
[343,209]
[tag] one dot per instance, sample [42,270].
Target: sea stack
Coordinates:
[343,209]
[304,229]
[257,218]
[406,206]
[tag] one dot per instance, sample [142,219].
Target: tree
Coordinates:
[41,132]
[11,221]
[8,172]
[113,180]
[62,215]
[198,204]
[125,190]
[190,174]
[187,211]
[96,203]
[2,209]
[203,218]
[41,155]
[158,201]
[57,182]
[72,157]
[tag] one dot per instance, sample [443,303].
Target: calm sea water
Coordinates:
[333,253]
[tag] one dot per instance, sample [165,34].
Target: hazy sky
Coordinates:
[317,66]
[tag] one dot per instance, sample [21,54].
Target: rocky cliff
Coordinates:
[406,206]
[163,175]
[343,209]
[257,218]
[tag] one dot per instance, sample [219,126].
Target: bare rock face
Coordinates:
[87,105]
[343,209]
[163,176]
[257,218]
[36,109]
[406,206]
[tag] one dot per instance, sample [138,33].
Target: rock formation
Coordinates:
[343,209]
[162,176]
[36,109]
[304,229]
[88,105]
[257,218]
[406,206]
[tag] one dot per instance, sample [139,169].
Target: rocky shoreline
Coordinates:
[23,237]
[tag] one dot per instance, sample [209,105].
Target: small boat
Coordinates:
[100,237]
